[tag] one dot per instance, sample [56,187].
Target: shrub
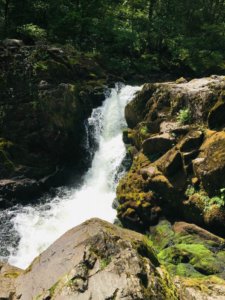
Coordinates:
[184,116]
[32,33]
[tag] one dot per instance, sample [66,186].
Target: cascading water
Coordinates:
[39,226]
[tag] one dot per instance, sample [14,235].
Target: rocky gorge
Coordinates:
[176,140]
[170,203]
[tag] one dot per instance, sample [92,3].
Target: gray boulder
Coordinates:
[96,260]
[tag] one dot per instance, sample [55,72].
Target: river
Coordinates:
[29,230]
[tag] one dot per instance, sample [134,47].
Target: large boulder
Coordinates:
[165,100]
[96,260]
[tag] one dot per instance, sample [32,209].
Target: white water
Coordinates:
[38,226]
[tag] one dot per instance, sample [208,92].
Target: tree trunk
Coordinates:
[6,17]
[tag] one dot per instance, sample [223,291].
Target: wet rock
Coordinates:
[127,136]
[205,211]
[191,153]
[99,260]
[174,127]
[23,190]
[198,289]
[181,80]
[188,157]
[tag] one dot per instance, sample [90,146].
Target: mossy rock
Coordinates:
[139,206]
[187,250]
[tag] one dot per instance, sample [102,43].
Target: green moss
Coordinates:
[184,116]
[144,130]
[145,248]
[12,275]
[195,255]
[206,201]
[203,284]
[162,235]
[53,289]
[188,253]
[178,253]
[183,270]
[40,66]
[105,262]
[169,290]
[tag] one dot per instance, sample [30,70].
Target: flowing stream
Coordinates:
[36,227]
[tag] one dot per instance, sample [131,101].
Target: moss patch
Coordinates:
[188,254]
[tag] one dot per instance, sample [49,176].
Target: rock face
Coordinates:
[177,139]
[96,260]
[46,93]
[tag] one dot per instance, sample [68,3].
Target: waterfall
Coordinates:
[38,226]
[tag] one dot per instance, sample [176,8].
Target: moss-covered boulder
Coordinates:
[169,128]
[188,250]
[138,205]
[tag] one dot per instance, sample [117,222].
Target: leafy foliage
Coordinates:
[184,116]
[128,36]
[218,200]
[32,32]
